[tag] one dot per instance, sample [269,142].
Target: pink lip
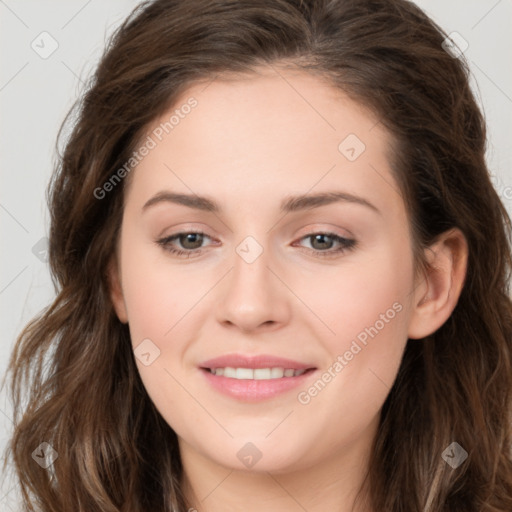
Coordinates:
[259,361]
[252,390]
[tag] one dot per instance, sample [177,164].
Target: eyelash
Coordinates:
[347,244]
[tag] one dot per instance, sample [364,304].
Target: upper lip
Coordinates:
[257,361]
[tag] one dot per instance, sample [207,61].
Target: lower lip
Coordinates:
[254,390]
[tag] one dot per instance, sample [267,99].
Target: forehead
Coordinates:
[273,104]
[271,131]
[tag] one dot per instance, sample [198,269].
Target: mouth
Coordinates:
[257,373]
[255,378]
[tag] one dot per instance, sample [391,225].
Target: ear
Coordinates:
[436,295]
[116,290]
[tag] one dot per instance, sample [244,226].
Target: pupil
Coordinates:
[322,238]
[190,238]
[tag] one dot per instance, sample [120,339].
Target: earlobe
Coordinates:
[116,291]
[437,295]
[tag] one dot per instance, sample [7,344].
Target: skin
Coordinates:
[251,142]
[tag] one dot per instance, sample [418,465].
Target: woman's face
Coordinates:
[278,159]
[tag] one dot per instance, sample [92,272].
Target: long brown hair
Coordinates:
[74,360]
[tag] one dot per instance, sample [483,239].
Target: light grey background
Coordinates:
[36,93]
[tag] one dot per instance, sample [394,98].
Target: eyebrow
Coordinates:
[288,205]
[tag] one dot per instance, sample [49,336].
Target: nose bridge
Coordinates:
[252,294]
[251,277]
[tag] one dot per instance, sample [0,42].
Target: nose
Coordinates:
[253,296]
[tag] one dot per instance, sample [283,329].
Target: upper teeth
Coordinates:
[256,373]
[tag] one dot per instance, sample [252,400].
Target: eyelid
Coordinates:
[333,229]
[309,230]
[179,229]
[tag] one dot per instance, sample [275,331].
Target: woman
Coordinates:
[259,368]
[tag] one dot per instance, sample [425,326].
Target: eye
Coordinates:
[190,241]
[322,244]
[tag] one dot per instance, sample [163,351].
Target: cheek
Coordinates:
[362,296]
[151,306]
[156,295]
[156,301]
[366,307]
